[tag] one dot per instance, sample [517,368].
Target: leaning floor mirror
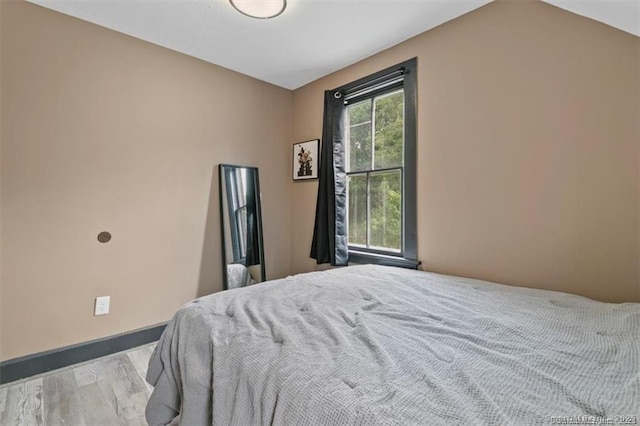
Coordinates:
[241,219]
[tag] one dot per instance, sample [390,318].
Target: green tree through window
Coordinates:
[375,171]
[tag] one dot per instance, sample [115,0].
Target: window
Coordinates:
[380,151]
[366,205]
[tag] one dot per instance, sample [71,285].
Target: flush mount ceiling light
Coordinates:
[261,9]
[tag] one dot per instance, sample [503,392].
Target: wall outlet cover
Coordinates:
[102,305]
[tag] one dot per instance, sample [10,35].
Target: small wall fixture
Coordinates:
[104,237]
[260,9]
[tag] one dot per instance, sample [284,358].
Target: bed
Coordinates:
[373,345]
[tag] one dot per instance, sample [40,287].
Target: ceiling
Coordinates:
[311,39]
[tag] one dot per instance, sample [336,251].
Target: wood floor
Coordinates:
[105,391]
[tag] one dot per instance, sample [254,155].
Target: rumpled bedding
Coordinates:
[376,345]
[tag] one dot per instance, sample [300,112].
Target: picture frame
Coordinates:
[306,159]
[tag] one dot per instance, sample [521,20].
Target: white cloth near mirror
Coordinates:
[238,276]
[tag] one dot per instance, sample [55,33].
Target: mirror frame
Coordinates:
[221,167]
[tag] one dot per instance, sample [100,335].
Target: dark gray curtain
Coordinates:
[330,231]
[253,247]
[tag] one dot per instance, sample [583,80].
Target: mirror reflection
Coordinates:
[241,219]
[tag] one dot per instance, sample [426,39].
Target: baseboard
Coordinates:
[30,365]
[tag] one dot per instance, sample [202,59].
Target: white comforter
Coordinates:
[372,345]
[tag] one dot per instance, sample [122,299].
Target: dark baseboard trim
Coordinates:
[30,365]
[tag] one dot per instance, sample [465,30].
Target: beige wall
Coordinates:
[106,132]
[528,150]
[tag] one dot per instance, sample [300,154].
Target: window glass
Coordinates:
[357,196]
[385,204]
[389,125]
[375,198]
[360,143]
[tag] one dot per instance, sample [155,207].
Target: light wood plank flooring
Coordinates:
[104,391]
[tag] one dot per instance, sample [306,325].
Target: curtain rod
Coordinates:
[375,83]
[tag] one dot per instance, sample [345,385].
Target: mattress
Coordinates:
[375,345]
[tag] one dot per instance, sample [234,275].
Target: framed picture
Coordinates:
[306,156]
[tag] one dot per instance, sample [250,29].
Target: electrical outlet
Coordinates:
[102,305]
